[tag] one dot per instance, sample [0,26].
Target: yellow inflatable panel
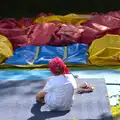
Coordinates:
[105,51]
[6,49]
[44,19]
[74,18]
[70,19]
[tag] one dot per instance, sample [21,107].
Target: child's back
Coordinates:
[60,91]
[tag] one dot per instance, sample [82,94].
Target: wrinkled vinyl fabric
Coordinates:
[114,14]
[6,49]
[38,34]
[105,51]
[102,24]
[25,22]
[66,35]
[87,32]
[74,54]
[77,54]
[9,23]
[59,30]
[16,36]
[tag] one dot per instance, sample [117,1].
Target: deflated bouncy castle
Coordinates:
[84,34]
[78,39]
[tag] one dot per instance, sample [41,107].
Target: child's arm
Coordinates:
[83,87]
[40,96]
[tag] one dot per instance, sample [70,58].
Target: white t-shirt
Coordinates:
[60,92]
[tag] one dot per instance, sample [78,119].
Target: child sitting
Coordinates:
[58,93]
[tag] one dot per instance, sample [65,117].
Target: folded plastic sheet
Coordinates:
[50,34]
[39,34]
[89,34]
[25,22]
[114,14]
[77,54]
[47,32]
[24,55]
[6,49]
[16,36]
[105,51]
[73,54]
[103,22]
[9,23]
[66,35]
[74,34]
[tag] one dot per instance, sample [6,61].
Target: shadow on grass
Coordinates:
[27,88]
[21,87]
[39,115]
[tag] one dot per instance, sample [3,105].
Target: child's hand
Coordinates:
[42,100]
[85,88]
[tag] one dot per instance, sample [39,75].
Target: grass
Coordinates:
[116,112]
[75,67]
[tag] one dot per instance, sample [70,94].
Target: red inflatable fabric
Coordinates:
[17,36]
[9,23]
[117,15]
[103,23]
[66,34]
[59,34]
[26,22]
[90,34]
[38,34]
[88,31]
[100,25]
[114,14]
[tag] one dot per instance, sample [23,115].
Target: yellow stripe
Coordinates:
[36,56]
[65,52]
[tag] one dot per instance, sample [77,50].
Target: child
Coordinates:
[58,93]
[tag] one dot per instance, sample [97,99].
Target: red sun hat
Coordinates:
[57,66]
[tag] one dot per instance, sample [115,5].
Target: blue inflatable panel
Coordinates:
[46,53]
[77,54]
[74,54]
[23,55]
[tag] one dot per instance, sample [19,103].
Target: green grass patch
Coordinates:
[70,67]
